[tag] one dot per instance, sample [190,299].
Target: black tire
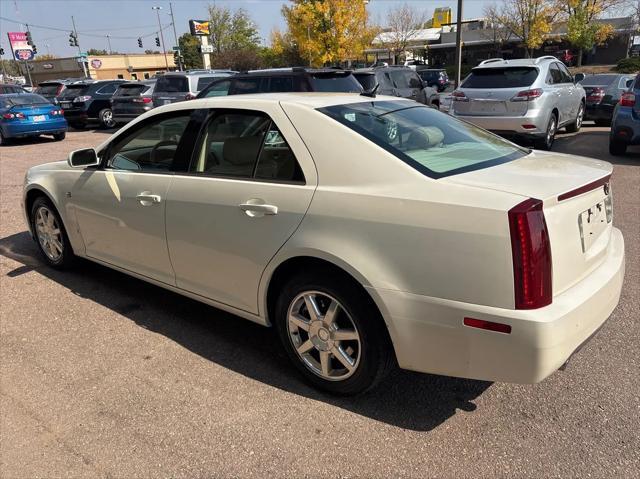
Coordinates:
[60,136]
[617,148]
[3,140]
[106,118]
[67,258]
[547,142]
[606,122]
[374,350]
[574,127]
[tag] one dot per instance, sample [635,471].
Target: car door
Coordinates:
[555,81]
[417,90]
[120,206]
[571,93]
[244,195]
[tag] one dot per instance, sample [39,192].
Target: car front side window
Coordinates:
[152,147]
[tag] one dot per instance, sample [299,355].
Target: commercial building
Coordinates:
[103,67]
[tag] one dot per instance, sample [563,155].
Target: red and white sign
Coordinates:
[21,49]
[96,63]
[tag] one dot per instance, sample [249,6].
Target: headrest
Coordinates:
[241,151]
[426,137]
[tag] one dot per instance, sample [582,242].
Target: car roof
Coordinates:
[519,62]
[311,100]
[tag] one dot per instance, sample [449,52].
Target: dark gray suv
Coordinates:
[398,81]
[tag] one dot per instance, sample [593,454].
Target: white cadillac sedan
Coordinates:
[368,231]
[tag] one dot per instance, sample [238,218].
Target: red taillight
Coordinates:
[459,96]
[11,116]
[628,98]
[531,251]
[57,112]
[488,325]
[528,95]
[145,99]
[596,94]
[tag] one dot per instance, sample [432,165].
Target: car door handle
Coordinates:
[254,208]
[147,199]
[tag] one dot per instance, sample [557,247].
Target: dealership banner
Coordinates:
[199,27]
[21,49]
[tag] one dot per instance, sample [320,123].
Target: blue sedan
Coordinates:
[27,114]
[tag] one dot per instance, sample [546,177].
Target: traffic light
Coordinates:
[29,38]
[73,39]
[34,48]
[1,51]
[140,42]
[157,41]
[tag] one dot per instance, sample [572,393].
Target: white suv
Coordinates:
[530,98]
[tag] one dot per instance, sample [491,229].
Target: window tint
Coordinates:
[73,91]
[130,90]
[280,84]
[625,82]
[220,88]
[108,89]
[511,77]
[247,85]
[399,78]
[172,84]
[334,82]
[231,144]
[47,88]
[555,74]
[276,160]
[203,82]
[436,145]
[566,76]
[367,80]
[152,147]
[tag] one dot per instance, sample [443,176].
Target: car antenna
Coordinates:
[371,93]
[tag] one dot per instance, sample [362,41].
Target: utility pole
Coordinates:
[164,50]
[26,62]
[109,42]
[175,35]
[75,31]
[458,44]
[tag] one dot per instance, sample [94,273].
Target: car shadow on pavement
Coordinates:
[409,400]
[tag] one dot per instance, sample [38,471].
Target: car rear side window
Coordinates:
[335,82]
[203,82]
[220,88]
[436,145]
[245,144]
[280,84]
[73,91]
[508,77]
[108,89]
[50,89]
[247,85]
[172,84]
[130,90]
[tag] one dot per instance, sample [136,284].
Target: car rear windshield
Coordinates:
[510,77]
[73,91]
[173,84]
[599,80]
[367,80]
[24,99]
[343,82]
[130,90]
[204,82]
[433,143]
[48,89]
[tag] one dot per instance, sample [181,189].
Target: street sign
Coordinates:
[206,49]
[176,49]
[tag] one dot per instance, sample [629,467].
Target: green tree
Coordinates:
[231,31]
[189,48]
[583,33]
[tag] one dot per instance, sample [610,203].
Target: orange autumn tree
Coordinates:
[329,31]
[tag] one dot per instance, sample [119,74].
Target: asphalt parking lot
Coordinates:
[102,375]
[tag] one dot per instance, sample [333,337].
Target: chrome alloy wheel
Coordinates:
[551,131]
[323,335]
[580,116]
[107,119]
[49,233]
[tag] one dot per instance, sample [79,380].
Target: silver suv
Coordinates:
[178,86]
[529,98]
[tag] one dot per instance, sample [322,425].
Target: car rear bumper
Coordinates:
[429,334]
[509,125]
[22,129]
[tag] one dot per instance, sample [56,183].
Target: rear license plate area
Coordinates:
[65,104]
[38,118]
[593,222]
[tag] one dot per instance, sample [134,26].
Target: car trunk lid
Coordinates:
[577,206]
[491,102]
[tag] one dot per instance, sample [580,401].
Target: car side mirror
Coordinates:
[578,77]
[83,158]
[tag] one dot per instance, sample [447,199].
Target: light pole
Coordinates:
[164,50]
[175,35]
[458,44]
[109,42]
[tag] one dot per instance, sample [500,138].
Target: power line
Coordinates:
[86,34]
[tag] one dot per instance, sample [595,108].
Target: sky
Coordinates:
[97,18]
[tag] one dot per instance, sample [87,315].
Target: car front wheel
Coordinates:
[333,334]
[50,234]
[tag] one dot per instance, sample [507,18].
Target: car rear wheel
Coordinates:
[617,148]
[51,236]
[59,136]
[574,127]
[333,335]
[3,140]
[106,118]
[546,142]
